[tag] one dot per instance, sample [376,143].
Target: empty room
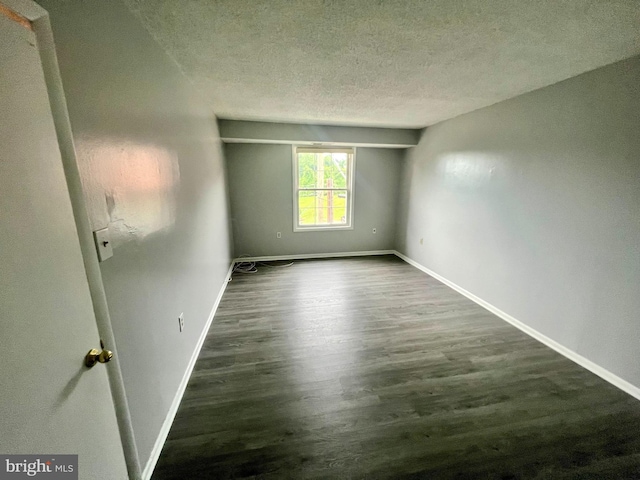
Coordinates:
[273,239]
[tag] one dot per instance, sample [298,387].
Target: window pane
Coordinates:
[331,170]
[307,165]
[307,217]
[323,170]
[306,208]
[338,207]
[319,172]
[340,166]
[327,171]
[322,207]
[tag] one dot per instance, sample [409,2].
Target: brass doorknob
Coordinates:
[94,356]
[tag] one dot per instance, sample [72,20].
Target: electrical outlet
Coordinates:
[374,230]
[181,322]
[278,235]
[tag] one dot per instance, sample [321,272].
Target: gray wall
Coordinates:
[151,161]
[533,205]
[261,196]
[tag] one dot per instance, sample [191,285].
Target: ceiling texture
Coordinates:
[388,63]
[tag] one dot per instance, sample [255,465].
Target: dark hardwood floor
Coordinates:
[368,368]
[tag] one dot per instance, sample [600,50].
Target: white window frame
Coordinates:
[350,188]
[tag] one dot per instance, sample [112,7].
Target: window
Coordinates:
[323,188]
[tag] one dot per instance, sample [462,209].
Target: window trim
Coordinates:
[297,228]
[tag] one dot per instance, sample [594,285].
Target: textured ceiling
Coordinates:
[397,63]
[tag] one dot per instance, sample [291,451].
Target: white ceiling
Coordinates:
[396,63]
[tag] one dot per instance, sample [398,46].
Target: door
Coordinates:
[50,403]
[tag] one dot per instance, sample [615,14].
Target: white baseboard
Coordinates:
[304,256]
[570,354]
[168,421]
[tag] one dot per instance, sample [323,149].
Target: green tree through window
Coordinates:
[323,193]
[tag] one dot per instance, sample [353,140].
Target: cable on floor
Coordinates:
[245,267]
[252,267]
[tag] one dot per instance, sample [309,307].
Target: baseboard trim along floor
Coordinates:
[561,349]
[309,256]
[168,421]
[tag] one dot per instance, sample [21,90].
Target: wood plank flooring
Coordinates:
[368,368]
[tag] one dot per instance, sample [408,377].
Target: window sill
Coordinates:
[321,229]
